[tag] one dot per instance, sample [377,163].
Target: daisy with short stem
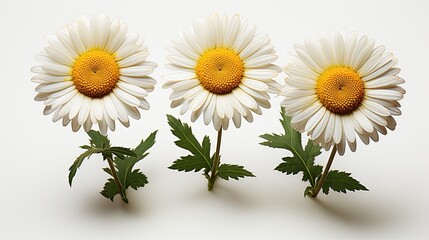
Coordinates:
[93,73]
[220,70]
[340,86]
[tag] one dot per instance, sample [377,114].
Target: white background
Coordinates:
[37,203]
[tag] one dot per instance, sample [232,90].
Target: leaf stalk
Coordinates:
[216,161]
[325,172]
[121,189]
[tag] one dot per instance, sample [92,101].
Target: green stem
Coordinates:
[121,189]
[325,172]
[216,161]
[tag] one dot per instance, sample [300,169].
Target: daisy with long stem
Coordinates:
[92,73]
[338,87]
[222,71]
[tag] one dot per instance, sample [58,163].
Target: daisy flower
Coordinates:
[340,86]
[222,70]
[93,73]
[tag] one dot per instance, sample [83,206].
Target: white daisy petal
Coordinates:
[257,43]
[41,97]
[85,108]
[53,87]
[306,113]
[235,70]
[87,125]
[110,108]
[198,102]
[185,84]
[144,104]
[315,119]
[181,61]
[110,122]
[225,123]
[372,116]
[116,41]
[236,119]
[61,92]
[133,112]
[248,116]
[76,104]
[193,92]
[245,99]
[260,74]
[66,121]
[134,59]
[102,125]
[120,108]
[132,89]
[97,108]
[380,71]
[146,83]
[84,32]
[178,76]
[321,125]
[57,69]
[376,108]
[261,61]
[78,79]
[220,106]
[382,82]
[75,125]
[254,93]
[384,94]
[209,111]
[363,121]
[136,71]
[217,122]
[255,84]
[348,128]
[229,110]
[48,78]
[183,47]
[59,57]
[329,133]
[76,39]
[60,101]
[315,99]
[185,106]
[126,97]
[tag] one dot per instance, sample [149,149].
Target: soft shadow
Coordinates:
[226,193]
[100,206]
[359,213]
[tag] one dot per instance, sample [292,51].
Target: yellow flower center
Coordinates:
[340,90]
[220,70]
[95,73]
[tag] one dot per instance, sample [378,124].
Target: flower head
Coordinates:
[341,86]
[222,70]
[93,73]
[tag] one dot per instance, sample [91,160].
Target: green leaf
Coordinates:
[145,145]
[98,140]
[341,182]
[136,179]
[127,176]
[120,152]
[123,163]
[302,160]
[79,160]
[226,171]
[188,163]
[110,189]
[86,147]
[200,157]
